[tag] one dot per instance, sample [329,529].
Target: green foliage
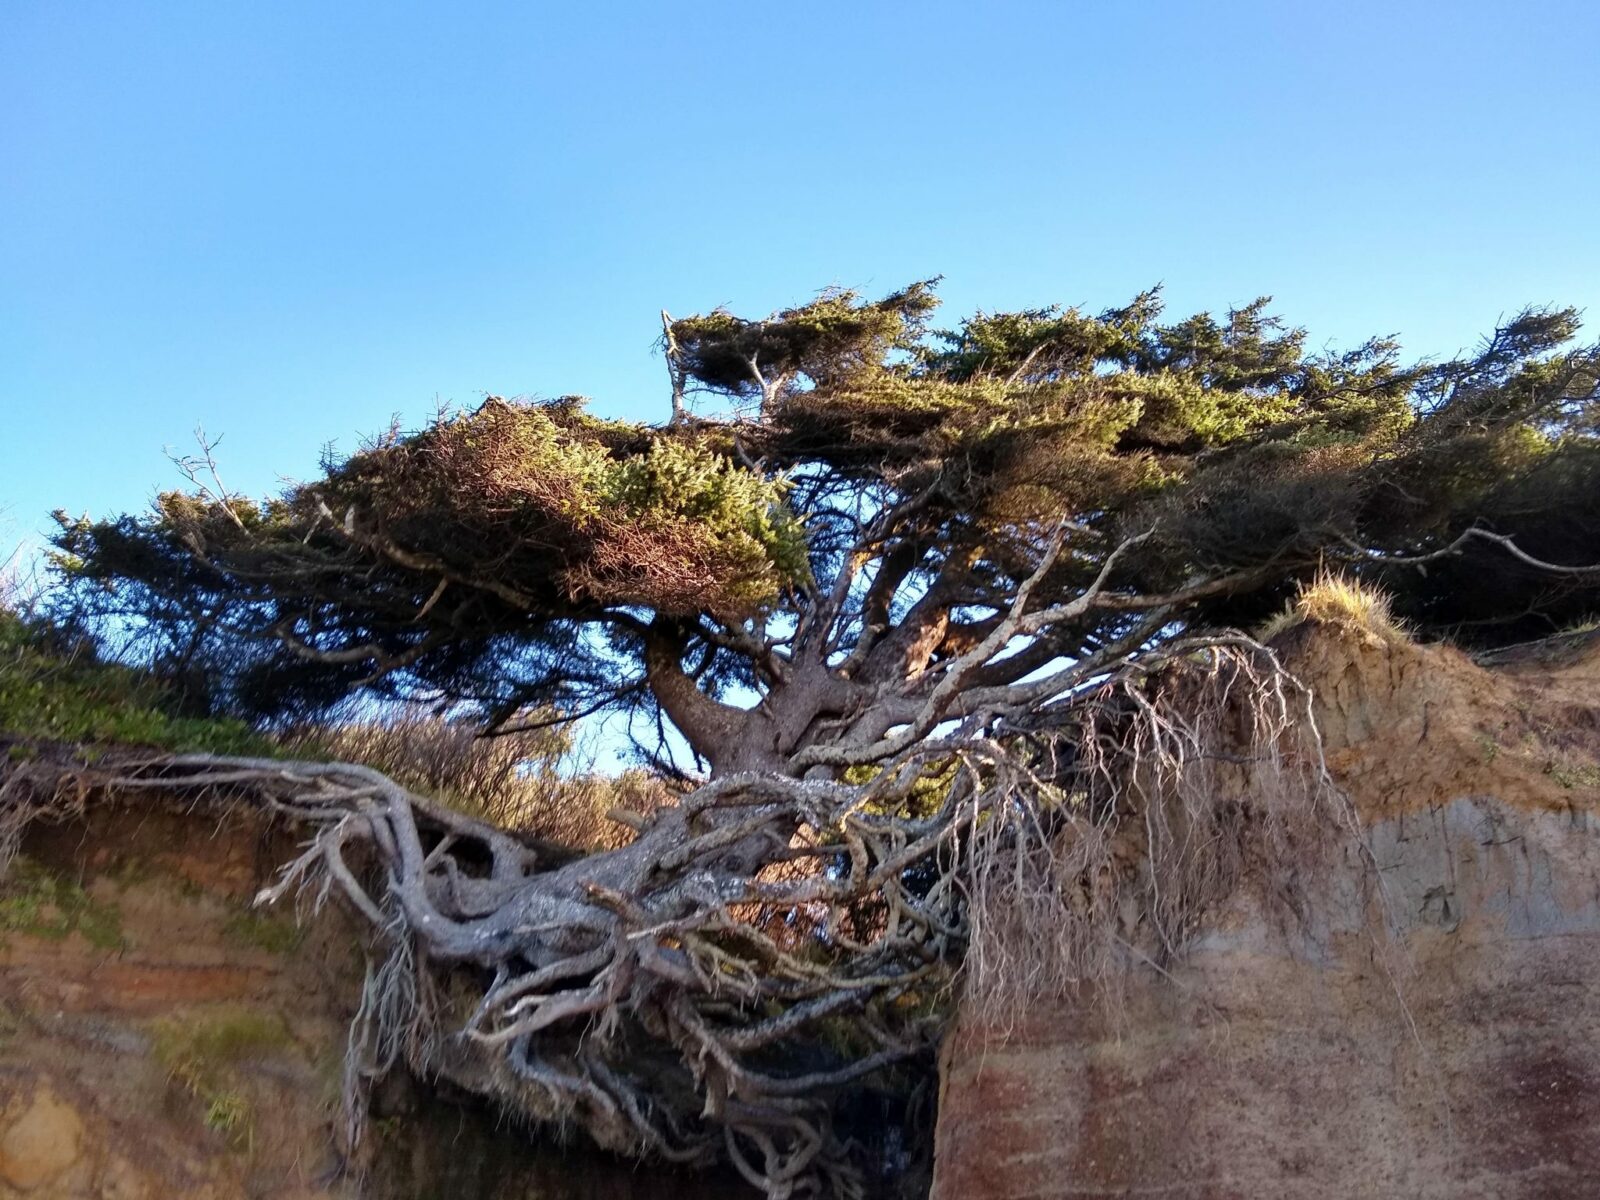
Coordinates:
[826,341]
[925,797]
[526,555]
[65,691]
[593,513]
[35,902]
[679,492]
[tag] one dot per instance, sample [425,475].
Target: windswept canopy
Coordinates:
[846,497]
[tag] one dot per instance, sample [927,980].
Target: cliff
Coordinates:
[160,1038]
[1426,1023]
[1422,1023]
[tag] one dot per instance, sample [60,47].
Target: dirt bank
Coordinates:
[160,1038]
[1428,1026]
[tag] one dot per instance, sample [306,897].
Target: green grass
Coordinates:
[36,903]
[1574,775]
[199,1046]
[51,692]
[229,1113]
[202,1054]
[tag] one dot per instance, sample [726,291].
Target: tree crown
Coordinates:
[861,500]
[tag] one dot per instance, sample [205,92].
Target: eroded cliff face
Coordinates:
[159,1038]
[1427,1026]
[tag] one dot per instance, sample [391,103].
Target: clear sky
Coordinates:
[290,220]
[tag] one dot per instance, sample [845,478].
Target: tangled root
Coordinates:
[1155,798]
[681,996]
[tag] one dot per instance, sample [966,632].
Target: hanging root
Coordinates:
[34,789]
[711,989]
[626,994]
[1152,800]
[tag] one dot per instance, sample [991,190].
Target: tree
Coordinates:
[884,596]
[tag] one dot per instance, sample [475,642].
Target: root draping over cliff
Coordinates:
[936,623]
[713,988]
[1424,1018]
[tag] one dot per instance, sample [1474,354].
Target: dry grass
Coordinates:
[514,781]
[1337,599]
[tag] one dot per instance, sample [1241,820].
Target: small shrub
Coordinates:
[52,686]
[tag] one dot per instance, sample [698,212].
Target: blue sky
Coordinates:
[289,221]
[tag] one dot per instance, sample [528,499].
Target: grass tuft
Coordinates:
[202,1056]
[1338,599]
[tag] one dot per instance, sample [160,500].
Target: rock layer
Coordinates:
[1428,1026]
[161,1039]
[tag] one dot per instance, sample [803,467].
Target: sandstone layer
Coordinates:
[1427,1025]
[162,1040]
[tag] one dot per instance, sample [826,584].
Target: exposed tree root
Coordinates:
[673,997]
[1180,788]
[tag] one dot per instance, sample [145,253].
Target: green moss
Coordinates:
[37,903]
[207,1044]
[202,1056]
[1574,775]
[274,934]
